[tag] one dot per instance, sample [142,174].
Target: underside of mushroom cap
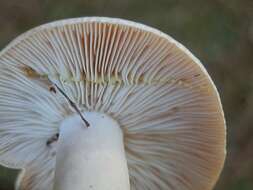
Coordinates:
[36,177]
[159,93]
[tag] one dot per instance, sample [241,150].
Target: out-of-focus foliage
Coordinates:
[219,32]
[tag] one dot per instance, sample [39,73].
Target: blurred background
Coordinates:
[218,32]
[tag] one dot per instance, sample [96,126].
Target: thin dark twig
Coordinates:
[73,105]
[30,72]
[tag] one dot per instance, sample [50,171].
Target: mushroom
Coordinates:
[155,117]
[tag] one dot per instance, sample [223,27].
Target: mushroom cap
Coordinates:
[159,93]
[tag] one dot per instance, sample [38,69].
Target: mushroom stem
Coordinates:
[91,158]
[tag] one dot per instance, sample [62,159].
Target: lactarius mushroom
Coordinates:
[108,104]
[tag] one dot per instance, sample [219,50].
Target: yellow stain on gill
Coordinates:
[112,80]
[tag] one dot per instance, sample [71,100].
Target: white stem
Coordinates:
[91,158]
